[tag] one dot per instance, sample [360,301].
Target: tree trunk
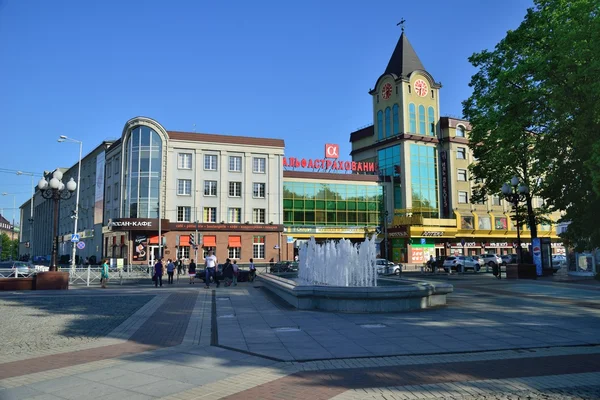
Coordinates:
[531,215]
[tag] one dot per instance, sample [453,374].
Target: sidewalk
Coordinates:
[494,338]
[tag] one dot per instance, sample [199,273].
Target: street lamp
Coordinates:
[516,192]
[61,139]
[12,238]
[54,189]
[31,209]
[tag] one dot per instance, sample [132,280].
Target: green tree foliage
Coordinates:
[535,113]
[10,248]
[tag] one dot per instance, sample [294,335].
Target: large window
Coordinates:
[311,203]
[496,201]
[485,223]
[235,163]
[210,162]
[235,252]
[431,120]
[258,190]
[424,179]
[184,187]
[142,174]
[184,252]
[210,214]
[184,214]
[210,188]
[184,161]
[412,118]
[460,131]
[258,216]
[461,153]
[258,247]
[462,174]
[388,122]
[235,215]
[235,189]
[259,165]
[379,125]
[387,159]
[422,127]
[463,197]
[396,119]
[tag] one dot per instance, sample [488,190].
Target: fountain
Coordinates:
[341,276]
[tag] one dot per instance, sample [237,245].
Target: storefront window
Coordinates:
[423,166]
[466,222]
[500,223]
[485,223]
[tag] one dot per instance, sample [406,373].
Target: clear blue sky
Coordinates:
[299,70]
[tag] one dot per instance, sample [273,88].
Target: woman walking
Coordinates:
[158,273]
[192,271]
[104,274]
[170,271]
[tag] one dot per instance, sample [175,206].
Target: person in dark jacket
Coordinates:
[192,272]
[228,272]
[158,273]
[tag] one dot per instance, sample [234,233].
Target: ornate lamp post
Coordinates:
[515,193]
[54,189]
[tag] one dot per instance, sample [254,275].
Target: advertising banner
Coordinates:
[140,247]
[536,248]
[99,190]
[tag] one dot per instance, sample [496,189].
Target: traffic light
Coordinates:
[397,169]
[192,240]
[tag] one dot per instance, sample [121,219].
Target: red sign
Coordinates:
[332,150]
[357,166]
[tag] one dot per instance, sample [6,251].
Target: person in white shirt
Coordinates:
[235,272]
[211,269]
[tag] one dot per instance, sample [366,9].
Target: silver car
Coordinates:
[15,268]
[386,267]
[461,264]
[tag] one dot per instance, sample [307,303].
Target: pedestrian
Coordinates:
[235,272]
[252,273]
[158,273]
[228,272]
[210,263]
[104,274]
[179,267]
[170,271]
[192,272]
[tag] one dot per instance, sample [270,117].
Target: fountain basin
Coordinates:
[405,296]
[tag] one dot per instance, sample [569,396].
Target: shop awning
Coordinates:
[153,240]
[209,241]
[184,240]
[235,241]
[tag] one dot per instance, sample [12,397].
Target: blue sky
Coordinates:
[298,70]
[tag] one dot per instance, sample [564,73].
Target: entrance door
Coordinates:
[153,254]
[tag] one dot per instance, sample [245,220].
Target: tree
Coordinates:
[10,248]
[534,103]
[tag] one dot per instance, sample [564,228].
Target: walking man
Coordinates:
[158,273]
[170,271]
[211,265]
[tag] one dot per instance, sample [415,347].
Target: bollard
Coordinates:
[88,276]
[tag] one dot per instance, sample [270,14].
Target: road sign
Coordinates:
[81,245]
[423,240]
[74,238]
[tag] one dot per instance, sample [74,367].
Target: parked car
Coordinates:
[558,261]
[508,259]
[284,266]
[22,268]
[386,267]
[461,264]
[479,260]
[491,259]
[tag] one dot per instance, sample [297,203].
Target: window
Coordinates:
[116,191]
[235,215]
[116,165]
[379,125]
[466,222]
[460,131]
[462,197]
[431,120]
[184,252]
[184,214]
[235,252]
[412,117]
[485,223]
[395,117]
[235,189]
[461,153]
[422,120]
[259,165]
[388,122]
[210,188]
[184,187]
[500,223]
[210,214]
[210,162]
[258,216]
[235,163]
[259,190]
[184,161]
[462,174]
[496,200]
[258,247]
[108,169]
[108,194]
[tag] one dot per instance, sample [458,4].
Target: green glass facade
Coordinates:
[349,204]
[424,180]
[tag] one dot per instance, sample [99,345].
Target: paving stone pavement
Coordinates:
[494,340]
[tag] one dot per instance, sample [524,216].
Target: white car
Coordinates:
[491,259]
[461,264]
[558,261]
[386,267]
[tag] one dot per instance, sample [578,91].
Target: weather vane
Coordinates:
[401,24]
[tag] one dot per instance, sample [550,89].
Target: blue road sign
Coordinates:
[423,240]
[74,238]
[81,245]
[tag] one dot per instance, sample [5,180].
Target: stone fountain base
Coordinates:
[406,296]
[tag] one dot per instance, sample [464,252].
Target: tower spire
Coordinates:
[401,24]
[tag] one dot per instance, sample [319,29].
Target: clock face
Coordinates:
[386,91]
[421,88]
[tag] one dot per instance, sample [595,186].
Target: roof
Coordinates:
[212,138]
[404,60]
[362,133]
